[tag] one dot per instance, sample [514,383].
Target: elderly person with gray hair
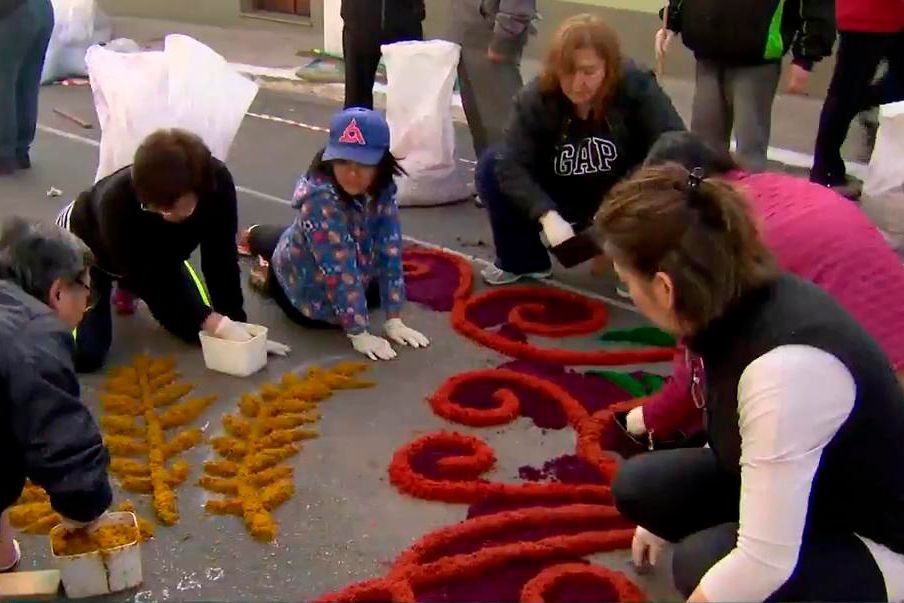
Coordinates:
[46,433]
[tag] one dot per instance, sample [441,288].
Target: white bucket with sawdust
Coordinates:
[101,572]
[237,358]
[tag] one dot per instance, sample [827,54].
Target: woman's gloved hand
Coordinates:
[646,548]
[375,348]
[634,421]
[226,328]
[556,229]
[397,331]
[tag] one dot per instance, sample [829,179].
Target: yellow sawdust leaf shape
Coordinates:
[265,431]
[142,401]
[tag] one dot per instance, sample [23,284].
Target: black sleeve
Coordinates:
[817,32]
[62,445]
[162,285]
[219,254]
[527,137]
[651,109]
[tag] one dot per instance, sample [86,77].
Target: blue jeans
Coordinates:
[24,36]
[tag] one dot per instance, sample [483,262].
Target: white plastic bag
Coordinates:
[420,78]
[883,189]
[78,25]
[187,85]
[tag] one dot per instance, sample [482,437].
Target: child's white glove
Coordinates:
[277,348]
[555,228]
[397,331]
[375,348]
[634,421]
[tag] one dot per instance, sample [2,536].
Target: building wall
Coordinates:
[635,20]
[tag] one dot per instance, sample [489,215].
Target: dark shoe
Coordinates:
[23,162]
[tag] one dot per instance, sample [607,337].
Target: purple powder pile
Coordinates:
[567,469]
[491,506]
[436,289]
[555,312]
[501,585]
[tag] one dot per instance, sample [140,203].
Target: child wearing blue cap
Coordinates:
[343,252]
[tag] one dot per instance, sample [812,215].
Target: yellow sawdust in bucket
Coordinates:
[104,538]
[266,431]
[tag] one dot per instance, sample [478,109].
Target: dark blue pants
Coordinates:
[516,237]
[24,36]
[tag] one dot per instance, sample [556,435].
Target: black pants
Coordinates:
[685,497]
[519,249]
[94,334]
[851,91]
[361,51]
[262,242]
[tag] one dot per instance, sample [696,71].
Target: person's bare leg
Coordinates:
[9,553]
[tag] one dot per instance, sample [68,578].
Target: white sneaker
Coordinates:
[493,275]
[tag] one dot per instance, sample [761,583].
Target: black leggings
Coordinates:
[685,497]
[262,241]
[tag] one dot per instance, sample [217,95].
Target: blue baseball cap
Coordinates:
[358,135]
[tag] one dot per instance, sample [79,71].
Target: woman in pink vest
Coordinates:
[814,233]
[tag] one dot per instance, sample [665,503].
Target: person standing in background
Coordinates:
[739,45]
[492,34]
[870,30]
[368,24]
[25,28]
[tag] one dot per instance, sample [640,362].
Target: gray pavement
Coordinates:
[345,522]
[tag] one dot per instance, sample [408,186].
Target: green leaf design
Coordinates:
[640,335]
[646,384]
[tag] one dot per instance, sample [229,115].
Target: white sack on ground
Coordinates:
[78,25]
[186,85]
[420,78]
[883,189]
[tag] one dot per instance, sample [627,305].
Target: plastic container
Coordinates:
[101,572]
[238,358]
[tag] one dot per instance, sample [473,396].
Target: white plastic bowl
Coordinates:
[238,358]
[101,572]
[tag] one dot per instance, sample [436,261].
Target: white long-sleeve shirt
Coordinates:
[791,403]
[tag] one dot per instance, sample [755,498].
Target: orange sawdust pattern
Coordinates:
[104,538]
[142,401]
[448,467]
[261,436]
[32,513]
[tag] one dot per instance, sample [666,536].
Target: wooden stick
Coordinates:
[74,119]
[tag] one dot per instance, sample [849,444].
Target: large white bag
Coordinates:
[420,78]
[883,189]
[78,25]
[187,85]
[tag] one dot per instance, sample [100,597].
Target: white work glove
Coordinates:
[375,348]
[634,421]
[646,548]
[555,228]
[277,348]
[663,40]
[396,330]
[233,331]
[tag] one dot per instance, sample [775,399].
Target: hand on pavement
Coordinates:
[798,78]
[397,331]
[375,348]
[634,421]
[275,347]
[556,229]
[646,548]
[662,41]
[233,331]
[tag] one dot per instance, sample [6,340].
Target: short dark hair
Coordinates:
[388,168]
[171,163]
[704,237]
[34,255]
[689,150]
